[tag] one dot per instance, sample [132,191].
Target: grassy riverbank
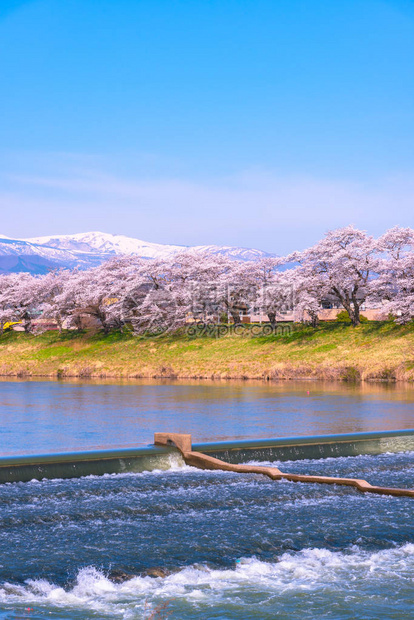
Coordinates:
[371,352]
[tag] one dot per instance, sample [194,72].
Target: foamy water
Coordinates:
[297,585]
[233,546]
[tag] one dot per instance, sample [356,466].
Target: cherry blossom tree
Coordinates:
[147,299]
[344,263]
[21,298]
[309,291]
[275,288]
[99,293]
[161,295]
[8,311]
[58,297]
[394,287]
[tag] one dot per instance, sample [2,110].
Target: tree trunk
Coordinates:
[314,318]
[235,315]
[59,324]
[353,313]
[232,310]
[350,304]
[272,318]
[77,320]
[356,320]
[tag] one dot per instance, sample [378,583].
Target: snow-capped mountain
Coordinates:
[17,255]
[83,250]
[107,244]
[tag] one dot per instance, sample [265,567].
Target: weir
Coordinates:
[23,468]
[203,461]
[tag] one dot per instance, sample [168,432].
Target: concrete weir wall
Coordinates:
[100,462]
[88,463]
[310,447]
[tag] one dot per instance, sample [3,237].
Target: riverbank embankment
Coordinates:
[375,351]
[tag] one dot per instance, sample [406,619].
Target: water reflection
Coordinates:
[51,416]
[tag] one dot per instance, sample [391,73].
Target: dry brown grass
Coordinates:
[371,352]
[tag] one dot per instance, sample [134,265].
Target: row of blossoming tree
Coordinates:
[347,267]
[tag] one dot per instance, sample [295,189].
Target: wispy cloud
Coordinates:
[252,208]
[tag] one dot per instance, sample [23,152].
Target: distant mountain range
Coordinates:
[40,254]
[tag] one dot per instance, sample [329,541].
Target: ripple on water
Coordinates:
[236,546]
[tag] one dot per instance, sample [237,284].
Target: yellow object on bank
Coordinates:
[10,324]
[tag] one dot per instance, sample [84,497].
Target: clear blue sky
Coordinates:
[249,122]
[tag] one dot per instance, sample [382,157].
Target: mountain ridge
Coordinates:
[84,250]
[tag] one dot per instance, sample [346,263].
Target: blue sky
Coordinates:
[258,123]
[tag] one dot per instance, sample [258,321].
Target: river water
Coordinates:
[230,545]
[56,416]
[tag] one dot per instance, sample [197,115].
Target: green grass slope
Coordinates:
[372,351]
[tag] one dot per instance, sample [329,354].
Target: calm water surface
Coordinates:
[232,546]
[53,416]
